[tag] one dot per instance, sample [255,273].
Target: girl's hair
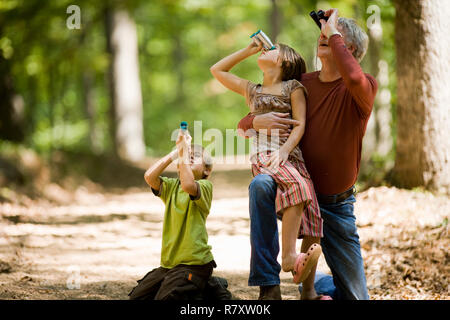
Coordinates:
[293,65]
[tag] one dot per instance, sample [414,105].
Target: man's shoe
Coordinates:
[269,293]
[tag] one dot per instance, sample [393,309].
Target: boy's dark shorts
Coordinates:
[183,282]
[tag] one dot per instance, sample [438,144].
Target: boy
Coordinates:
[186,259]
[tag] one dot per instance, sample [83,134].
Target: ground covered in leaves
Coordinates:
[91,243]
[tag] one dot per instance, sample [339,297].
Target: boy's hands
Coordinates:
[174,155]
[183,146]
[187,179]
[255,46]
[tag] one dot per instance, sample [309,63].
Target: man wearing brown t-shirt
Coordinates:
[339,103]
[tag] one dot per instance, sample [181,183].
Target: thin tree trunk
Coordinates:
[126,96]
[178,56]
[51,87]
[423,117]
[275,21]
[11,106]
[378,137]
[110,81]
[30,111]
[89,106]
[372,136]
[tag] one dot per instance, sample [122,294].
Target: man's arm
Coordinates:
[245,125]
[362,88]
[151,176]
[274,122]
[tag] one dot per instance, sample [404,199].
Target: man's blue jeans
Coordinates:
[340,244]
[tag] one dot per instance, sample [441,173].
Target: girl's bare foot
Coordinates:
[309,294]
[288,262]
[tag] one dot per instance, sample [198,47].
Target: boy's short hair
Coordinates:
[207,159]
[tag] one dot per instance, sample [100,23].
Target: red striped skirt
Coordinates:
[294,186]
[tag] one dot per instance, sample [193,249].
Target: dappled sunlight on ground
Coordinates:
[109,240]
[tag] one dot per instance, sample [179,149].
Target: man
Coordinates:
[339,103]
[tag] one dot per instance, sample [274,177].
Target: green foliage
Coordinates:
[178,41]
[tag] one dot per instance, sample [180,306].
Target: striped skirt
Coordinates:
[294,186]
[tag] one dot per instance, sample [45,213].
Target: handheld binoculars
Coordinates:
[316,16]
[183,125]
[261,36]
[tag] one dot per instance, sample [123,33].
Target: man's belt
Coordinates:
[335,198]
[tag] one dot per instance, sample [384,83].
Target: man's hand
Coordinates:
[276,123]
[330,27]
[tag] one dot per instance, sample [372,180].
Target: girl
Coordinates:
[280,156]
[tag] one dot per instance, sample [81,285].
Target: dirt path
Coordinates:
[105,242]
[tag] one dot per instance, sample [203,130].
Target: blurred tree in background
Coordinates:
[423,145]
[125,86]
[75,90]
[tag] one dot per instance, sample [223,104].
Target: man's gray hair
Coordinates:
[354,36]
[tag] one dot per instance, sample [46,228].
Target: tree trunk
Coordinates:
[125,86]
[378,137]
[275,21]
[11,106]
[89,107]
[178,59]
[423,117]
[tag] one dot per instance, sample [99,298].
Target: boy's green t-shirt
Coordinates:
[184,239]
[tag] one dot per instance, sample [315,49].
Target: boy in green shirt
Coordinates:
[186,259]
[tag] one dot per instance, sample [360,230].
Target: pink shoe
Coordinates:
[321,297]
[305,262]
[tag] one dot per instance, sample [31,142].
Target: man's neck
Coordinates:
[329,71]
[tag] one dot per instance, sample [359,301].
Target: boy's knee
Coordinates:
[262,184]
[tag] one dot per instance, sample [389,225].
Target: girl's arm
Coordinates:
[298,102]
[151,176]
[221,69]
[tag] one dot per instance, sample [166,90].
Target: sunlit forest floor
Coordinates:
[112,237]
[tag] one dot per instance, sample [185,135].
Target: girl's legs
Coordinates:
[291,187]
[308,292]
[292,218]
